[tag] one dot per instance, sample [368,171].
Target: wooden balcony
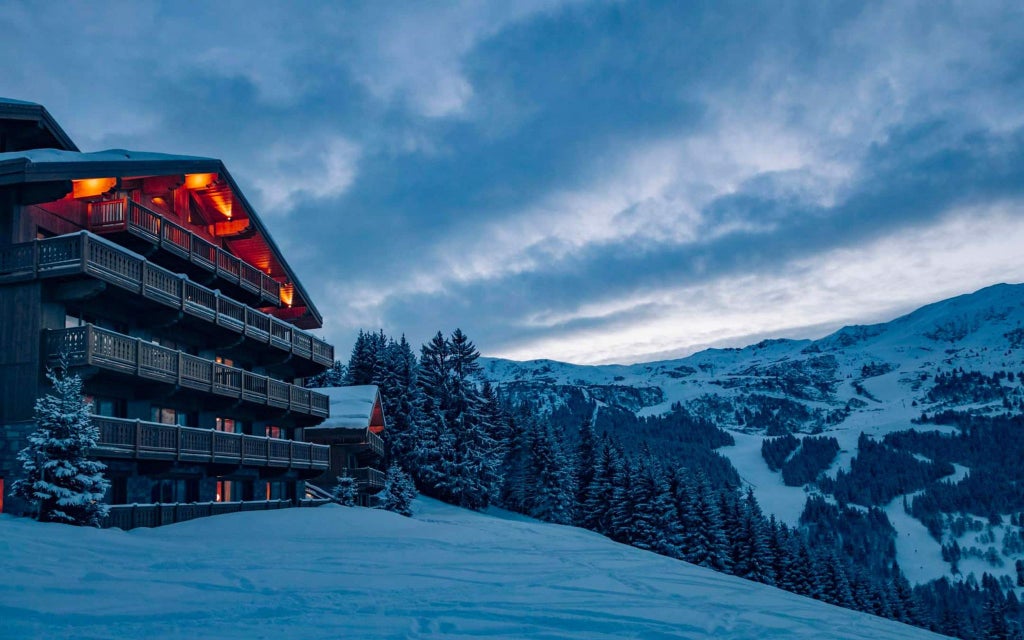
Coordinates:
[141,440]
[89,254]
[113,351]
[128,216]
[131,516]
[361,440]
[368,479]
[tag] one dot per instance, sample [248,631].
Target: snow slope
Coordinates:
[334,572]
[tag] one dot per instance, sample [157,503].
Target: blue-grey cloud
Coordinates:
[537,172]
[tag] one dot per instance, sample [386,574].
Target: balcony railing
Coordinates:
[368,479]
[87,253]
[97,347]
[129,216]
[375,443]
[360,439]
[143,440]
[131,516]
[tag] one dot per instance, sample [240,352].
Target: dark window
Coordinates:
[169,490]
[109,407]
[119,490]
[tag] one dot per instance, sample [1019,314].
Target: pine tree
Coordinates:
[751,557]
[360,362]
[705,541]
[346,492]
[597,510]
[584,464]
[657,526]
[60,478]
[396,377]
[398,493]
[333,376]
[550,494]
[515,467]
[456,459]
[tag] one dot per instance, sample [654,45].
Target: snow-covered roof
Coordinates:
[21,102]
[351,407]
[39,156]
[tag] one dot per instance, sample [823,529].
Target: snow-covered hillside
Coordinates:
[338,572]
[981,331]
[861,379]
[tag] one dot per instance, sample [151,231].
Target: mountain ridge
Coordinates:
[962,356]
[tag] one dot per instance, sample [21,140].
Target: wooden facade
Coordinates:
[153,278]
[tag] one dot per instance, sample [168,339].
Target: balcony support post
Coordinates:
[85,253]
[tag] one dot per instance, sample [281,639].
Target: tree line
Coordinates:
[466,444]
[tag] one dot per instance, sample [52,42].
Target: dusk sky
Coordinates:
[582,181]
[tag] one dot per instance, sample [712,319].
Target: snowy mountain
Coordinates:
[349,572]
[964,354]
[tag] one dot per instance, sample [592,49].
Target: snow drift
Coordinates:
[336,572]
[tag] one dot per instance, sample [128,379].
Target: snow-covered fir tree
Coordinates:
[398,493]
[396,374]
[550,494]
[346,491]
[516,465]
[334,376]
[585,462]
[61,480]
[456,458]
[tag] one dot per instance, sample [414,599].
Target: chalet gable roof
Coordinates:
[28,124]
[351,407]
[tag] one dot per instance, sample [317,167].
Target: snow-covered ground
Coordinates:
[774,496]
[334,572]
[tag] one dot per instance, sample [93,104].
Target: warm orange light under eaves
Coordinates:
[287,294]
[199,180]
[92,187]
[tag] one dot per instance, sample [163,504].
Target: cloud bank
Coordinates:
[590,181]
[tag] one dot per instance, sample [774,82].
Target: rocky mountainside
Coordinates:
[959,357]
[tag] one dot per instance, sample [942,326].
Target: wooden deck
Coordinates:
[90,345]
[131,516]
[142,440]
[368,479]
[116,216]
[89,254]
[349,437]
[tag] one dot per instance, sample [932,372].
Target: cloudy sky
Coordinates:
[585,181]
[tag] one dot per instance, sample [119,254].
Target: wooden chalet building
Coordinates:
[353,434]
[153,277]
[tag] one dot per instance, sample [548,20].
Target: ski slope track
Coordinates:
[335,572]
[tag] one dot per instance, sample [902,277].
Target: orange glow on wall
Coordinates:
[377,418]
[222,204]
[199,180]
[230,228]
[287,294]
[92,187]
